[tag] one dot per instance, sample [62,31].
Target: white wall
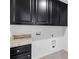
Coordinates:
[44,47]
[41,45]
[65,40]
[46,31]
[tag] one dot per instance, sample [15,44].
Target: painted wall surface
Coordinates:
[46,31]
[44,47]
[65,40]
[41,44]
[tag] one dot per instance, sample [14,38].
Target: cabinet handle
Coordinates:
[28,55]
[18,50]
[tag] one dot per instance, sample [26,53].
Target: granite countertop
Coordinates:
[20,42]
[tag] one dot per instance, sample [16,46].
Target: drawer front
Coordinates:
[20,49]
[22,56]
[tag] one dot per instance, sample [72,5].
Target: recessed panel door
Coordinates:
[42,12]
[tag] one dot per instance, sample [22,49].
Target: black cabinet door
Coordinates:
[22,56]
[63,14]
[41,11]
[11,11]
[54,12]
[20,49]
[21,12]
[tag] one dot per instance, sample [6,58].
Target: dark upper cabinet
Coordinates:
[11,11]
[42,12]
[38,12]
[63,14]
[54,12]
[21,12]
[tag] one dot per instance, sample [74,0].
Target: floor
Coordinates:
[57,55]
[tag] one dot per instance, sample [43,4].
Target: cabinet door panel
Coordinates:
[54,12]
[63,14]
[22,56]
[11,11]
[42,12]
[22,12]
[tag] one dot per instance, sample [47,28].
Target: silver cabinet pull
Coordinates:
[18,50]
[28,55]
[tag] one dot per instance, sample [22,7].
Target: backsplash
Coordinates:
[44,32]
